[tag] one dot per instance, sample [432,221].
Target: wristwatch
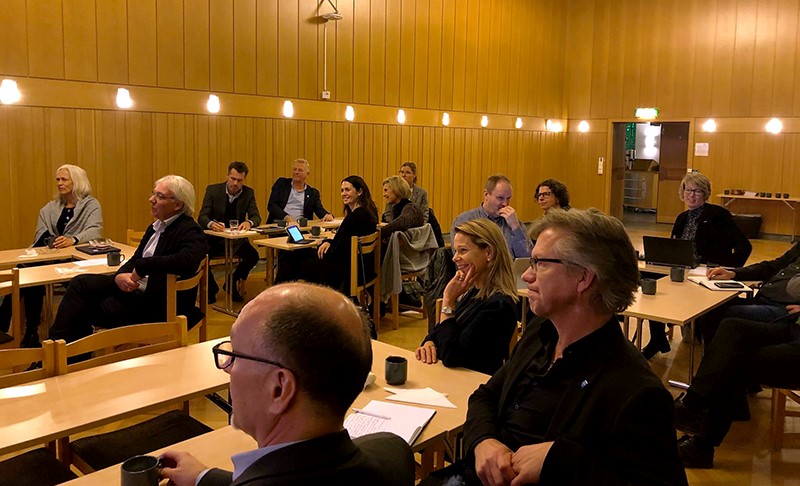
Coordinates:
[448,311]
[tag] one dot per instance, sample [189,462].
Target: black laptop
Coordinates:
[669,252]
[97,250]
[295,236]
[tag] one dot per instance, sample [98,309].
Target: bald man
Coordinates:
[298,356]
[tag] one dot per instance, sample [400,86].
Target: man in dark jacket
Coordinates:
[292,197]
[576,403]
[223,203]
[137,293]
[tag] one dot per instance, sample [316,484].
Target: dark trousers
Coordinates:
[745,353]
[751,309]
[248,258]
[95,300]
[33,299]
[304,265]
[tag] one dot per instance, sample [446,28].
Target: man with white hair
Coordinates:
[173,244]
[298,356]
[292,198]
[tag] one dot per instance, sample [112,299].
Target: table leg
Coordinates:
[685,385]
[639,333]
[228,309]
[626,326]
[269,277]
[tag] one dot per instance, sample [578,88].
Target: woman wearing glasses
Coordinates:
[552,194]
[715,239]
[478,306]
[73,216]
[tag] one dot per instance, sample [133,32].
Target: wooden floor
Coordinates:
[744,458]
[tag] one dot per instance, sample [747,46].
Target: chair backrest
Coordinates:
[134,237]
[16,361]
[362,248]
[112,345]
[9,287]
[199,280]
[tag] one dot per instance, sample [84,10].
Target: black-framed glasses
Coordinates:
[534,262]
[696,192]
[543,194]
[224,356]
[159,196]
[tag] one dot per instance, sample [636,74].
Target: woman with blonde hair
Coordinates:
[419,196]
[478,306]
[405,214]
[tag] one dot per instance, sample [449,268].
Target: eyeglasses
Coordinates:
[534,262]
[159,196]
[224,356]
[696,192]
[543,194]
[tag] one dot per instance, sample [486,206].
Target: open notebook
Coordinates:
[403,420]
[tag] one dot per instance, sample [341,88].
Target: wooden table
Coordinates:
[15,257]
[229,237]
[282,243]
[215,448]
[49,409]
[790,202]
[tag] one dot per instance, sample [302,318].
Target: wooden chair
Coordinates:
[103,450]
[779,414]
[199,280]
[395,300]
[134,237]
[19,359]
[362,248]
[9,287]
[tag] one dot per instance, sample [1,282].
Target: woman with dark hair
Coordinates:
[329,264]
[552,194]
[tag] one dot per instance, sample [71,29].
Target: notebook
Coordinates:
[670,252]
[519,267]
[295,236]
[403,420]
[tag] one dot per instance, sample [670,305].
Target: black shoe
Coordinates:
[656,345]
[384,309]
[5,338]
[740,409]
[694,453]
[34,366]
[31,339]
[235,295]
[687,420]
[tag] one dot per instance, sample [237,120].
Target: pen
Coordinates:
[384,417]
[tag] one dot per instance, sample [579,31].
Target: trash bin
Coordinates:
[750,224]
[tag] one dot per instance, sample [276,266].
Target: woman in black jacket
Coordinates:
[715,239]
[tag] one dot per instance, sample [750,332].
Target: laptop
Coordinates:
[519,266]
[668,252]
[96,250]
[295,236]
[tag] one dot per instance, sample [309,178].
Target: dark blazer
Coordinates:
[179,251]
[378,459]
[477,336]
[718,239]
[614,424]
[279,196]
[216,199]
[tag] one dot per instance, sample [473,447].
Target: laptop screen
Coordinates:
[294,233]
[668,252]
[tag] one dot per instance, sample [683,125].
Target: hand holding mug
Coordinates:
[63,242]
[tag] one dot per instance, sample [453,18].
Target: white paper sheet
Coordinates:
[92,262]
[422,396]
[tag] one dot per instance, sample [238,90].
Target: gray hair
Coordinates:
[399,186]
[80,182]
[182,190]
[598,242]
[696,179]
[304,162]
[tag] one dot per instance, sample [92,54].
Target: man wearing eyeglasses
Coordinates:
[299,355]
[497,207]
[576,403]
[173,244]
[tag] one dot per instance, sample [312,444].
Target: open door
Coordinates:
[618,170]
[672,169]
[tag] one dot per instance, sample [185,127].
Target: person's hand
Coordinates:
[327,217]
[510,215]
[793,308]
[457,285]
[528,461]
[719,273]
[244,226]
[181,468]
[322,249]
[426,353]
[289,220]
[126,282]
[493,463]
[217,226]
[63,242]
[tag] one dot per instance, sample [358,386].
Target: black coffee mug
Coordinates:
[140,471]
[727,191]
[768,194]
[114,258]
[786,195]
[316,230]
[50,241]
[677,274]
[649,286]
[281,223]
[396,370]
[302,222]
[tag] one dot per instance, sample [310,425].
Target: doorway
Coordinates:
[648,162]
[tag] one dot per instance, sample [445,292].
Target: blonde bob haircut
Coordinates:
[182,190]
[484,234]
[80,182]
[698,180]
[399,186]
